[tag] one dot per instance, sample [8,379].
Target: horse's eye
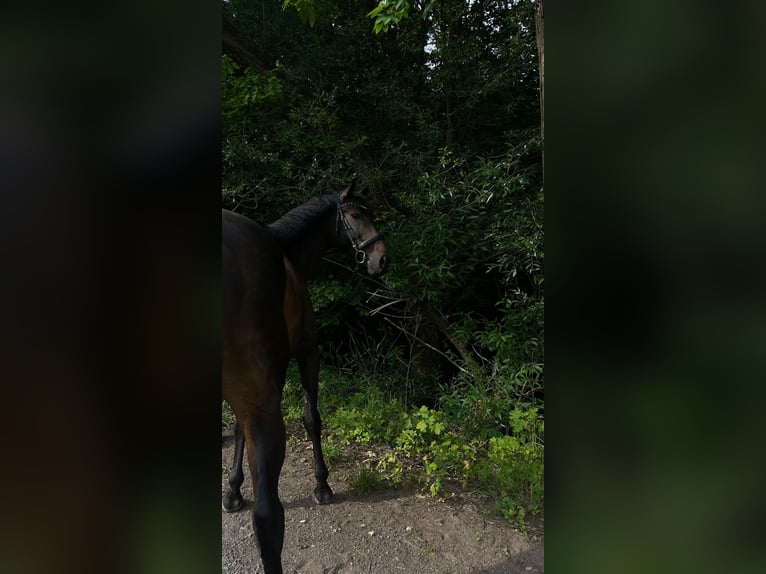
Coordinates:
[355,215]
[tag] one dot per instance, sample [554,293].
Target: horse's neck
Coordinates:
[306,257]
[306,233]
[305,251]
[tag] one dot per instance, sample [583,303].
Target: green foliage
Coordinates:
[514,467]
[334,294]
[227,416]
[245,91]
[484,402]
[481,264]
[332,450]
[465,224]
[428,446]
[451,457]
[292,395]
[440,116]
[368,418]
[385,14]
[432,447]
[420,429]
[389,12]
[305,9]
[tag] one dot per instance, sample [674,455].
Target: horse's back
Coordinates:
[253,271]
[253,285]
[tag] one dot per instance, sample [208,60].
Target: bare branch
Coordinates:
[422,342]
[378,309]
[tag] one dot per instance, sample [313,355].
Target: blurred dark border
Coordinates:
[110,166]
[110,233]
[656,299]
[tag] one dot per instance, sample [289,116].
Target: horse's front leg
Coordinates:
[308,362]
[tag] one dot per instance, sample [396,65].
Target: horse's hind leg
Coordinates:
[232,498]
[308,362]
[265,438]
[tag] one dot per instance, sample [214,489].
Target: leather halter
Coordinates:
[360,256]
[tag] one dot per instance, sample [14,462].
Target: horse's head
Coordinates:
[355,217]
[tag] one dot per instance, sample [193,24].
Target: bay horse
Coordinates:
[267,319]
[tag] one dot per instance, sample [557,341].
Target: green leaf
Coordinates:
[305,9]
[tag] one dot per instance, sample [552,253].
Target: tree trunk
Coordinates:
[539,30]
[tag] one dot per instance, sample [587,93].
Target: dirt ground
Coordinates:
[399,531]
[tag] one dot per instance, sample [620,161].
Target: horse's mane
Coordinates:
[298,220]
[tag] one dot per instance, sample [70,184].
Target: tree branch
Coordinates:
[438,320]
[238,47]
[422,342]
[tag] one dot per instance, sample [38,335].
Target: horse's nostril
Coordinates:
[383,261]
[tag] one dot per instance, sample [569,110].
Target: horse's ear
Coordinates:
[365,193]
[349,191]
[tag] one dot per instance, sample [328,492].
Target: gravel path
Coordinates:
[398,532]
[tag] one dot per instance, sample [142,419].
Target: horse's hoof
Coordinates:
[232,503]
[322,495]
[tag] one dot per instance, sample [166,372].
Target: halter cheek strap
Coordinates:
[360,255]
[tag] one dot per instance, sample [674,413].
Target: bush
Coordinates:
[513,469]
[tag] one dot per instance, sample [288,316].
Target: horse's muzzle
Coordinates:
[379,260]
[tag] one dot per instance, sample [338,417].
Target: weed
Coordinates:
[367,480]
[331,451]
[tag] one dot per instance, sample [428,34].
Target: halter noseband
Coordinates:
[360,255]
